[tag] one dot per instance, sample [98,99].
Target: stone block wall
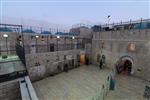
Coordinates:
[115,45]
[44,62]
[10,90]
[11,41]
[49,63]
[82,32]
[44,41]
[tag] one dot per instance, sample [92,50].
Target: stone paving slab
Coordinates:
[128,88]
[78,84]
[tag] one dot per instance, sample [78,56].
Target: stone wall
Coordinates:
[44,41]
[11,41]
[114,45]
[44,62]
[49,63]
[40,61]
[82,32]
[10,90]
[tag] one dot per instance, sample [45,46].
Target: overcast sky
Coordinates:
[72,12]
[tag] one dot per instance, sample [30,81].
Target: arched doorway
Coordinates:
[124,66]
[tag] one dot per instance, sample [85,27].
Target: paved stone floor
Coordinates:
[78,84]
[127,88]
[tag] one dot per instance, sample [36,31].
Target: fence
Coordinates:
[20,52]
[11,50]
[43,30]
[7,43]
[138,24]
[103,90]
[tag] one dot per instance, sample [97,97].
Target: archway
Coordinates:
[124,65]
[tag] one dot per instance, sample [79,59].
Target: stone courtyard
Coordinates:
[93,64]
[84,83]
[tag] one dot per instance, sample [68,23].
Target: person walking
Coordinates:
[66,67]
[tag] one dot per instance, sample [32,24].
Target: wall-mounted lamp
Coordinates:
[5,35]
[36,43]
[131,47]
[36,36]
[58,36]
[73,37]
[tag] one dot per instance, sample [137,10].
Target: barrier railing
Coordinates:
[137,24]
[103,90]
[27,90]
[21,54]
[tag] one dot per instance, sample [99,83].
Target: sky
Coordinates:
[75,11]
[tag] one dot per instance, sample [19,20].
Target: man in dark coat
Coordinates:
[100,64]
[66,67]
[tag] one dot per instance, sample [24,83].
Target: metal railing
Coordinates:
[104,88]
[137,24]
[27,90]
[40,30]
[10,28]
[43,30]
[5,50]
[21,54]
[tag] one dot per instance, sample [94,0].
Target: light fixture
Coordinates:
[73,37]
[58,37]
[131,47]
[5,35]
[37,36]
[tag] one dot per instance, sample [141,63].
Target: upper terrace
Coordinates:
[127,25]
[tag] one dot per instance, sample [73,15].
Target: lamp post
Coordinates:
[77,43]
[65,47]
[47,43]
[6,36]
[108,17]
[57,46]
[72,42]
[36,43]
[57,41]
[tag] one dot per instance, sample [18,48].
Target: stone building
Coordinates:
[124,44]
[29,60]
[46,54]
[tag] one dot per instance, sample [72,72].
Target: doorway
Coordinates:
[124,67]
[82,59]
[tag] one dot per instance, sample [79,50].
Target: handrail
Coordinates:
[27,90]
[20,52]
[104,88]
